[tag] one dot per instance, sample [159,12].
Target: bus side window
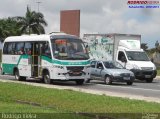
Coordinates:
[46,50]
[5,48]
[10,50]
[19,48]
[27,48]
[13,48]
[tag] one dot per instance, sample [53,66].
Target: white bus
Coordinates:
[57,56]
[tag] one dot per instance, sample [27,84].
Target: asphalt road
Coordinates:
[139,89]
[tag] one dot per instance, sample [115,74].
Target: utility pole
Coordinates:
[38,3]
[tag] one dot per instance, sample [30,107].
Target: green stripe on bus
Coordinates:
[8,68]
[22,57]
[65,62]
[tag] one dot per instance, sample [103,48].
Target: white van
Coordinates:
[123,48]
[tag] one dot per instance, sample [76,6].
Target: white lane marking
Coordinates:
[131,88]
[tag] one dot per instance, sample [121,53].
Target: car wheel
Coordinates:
[88,80]
[129,83]
[149,80]
[108,80]
[79,81]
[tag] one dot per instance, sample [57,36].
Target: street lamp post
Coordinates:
[38,5]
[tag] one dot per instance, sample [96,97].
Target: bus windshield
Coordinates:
[137,56]
[69,49]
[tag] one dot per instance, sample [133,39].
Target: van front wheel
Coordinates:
[149,80]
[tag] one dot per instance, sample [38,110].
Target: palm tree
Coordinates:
[33,22]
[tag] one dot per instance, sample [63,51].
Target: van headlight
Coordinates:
[154,67]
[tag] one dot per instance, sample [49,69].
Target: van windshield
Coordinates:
[69,49]
[137,56]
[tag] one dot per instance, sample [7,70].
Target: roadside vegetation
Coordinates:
[32,23]
[20,98]
[158,71]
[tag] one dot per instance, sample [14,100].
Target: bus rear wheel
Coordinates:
[18,77]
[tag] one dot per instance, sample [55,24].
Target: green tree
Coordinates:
[33,22]
[8,27]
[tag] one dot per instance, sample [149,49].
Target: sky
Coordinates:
[97,16]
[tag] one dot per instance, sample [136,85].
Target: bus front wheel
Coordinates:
[46,78]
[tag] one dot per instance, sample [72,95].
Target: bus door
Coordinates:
[37,52]
[35,59]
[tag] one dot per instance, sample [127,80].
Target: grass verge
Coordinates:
[20,98]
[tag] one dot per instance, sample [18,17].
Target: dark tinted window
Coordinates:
[99,65]
[10,51]
[5,51]
[121,56]
[9,48]
[27,48]
[46,49]
[19,48]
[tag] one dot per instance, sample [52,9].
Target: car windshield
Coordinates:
[113,65]
[137,56]
[69,49]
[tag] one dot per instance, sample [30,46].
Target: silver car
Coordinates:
[110,71]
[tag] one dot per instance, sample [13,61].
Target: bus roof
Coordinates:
[34,37]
